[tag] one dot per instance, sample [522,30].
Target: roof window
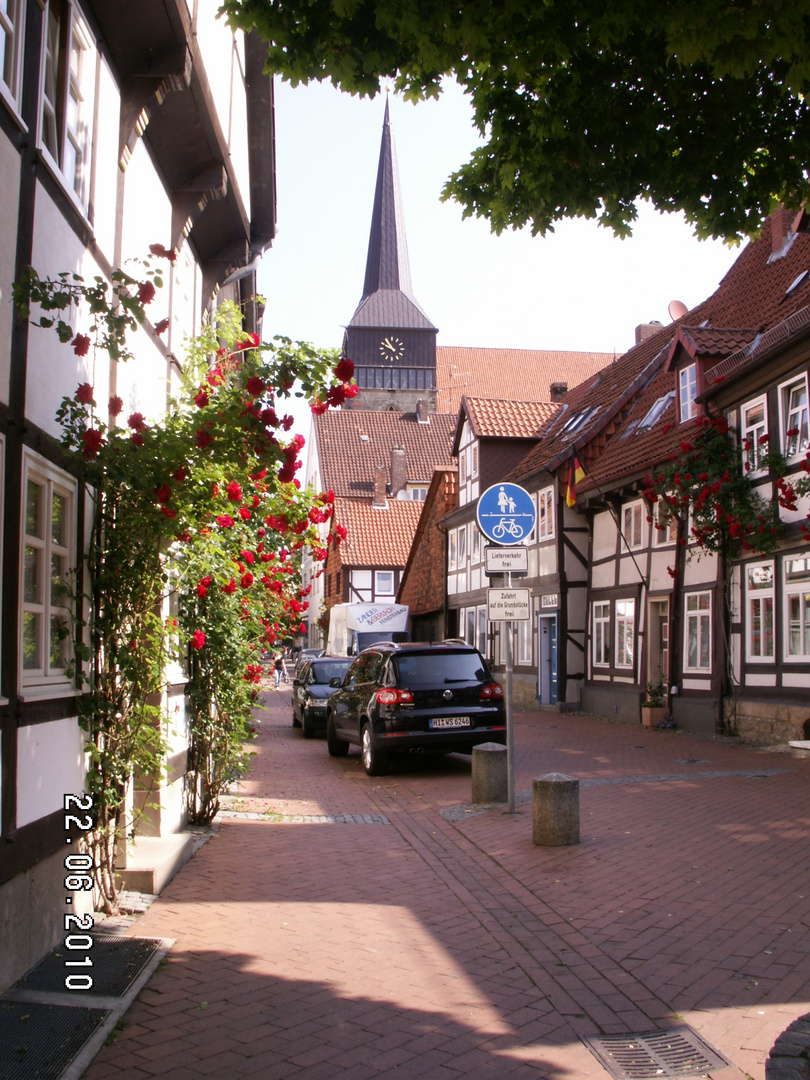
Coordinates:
[578,420]
[657,411]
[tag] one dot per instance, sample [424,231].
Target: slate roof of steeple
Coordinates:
[388,299]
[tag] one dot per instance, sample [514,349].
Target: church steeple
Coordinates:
[390,338]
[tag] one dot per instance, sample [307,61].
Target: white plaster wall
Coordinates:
[50,763]
[602,577]
[224,68]
[662,559]
[701,568]
[547,560]
[147,220]
[9,205]
[54,370]
[107,171]
[604,536]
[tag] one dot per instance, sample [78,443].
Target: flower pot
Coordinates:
[652,715]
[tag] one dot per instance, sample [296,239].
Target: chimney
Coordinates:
[646,330]
[399,469]
[558,390]
[782,234]
[422,414]
[378,499]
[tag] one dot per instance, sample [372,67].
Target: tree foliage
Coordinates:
[584,107]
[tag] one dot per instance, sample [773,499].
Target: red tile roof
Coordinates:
[352,442]
[377,537]
[753,294]
[508,419]
[509,374]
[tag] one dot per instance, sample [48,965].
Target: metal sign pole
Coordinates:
[510,726]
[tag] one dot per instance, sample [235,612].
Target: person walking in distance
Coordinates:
[278,667]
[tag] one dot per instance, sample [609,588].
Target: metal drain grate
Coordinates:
[676,1052]
[38,1042]
[117,962]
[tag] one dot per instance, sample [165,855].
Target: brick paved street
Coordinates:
[344,927]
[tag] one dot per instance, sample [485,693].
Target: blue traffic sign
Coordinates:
[505,514]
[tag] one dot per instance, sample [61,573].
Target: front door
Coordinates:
[547,659]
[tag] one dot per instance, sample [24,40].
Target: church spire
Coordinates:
[387,264]
[387,298]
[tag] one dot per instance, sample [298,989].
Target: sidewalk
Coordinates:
[339,926]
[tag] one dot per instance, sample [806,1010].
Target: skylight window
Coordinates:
[578,420]
[657,411]
[800,280]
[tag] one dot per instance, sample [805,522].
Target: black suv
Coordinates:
[410,697]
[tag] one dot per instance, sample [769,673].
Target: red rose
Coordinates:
[163,493]
[137,421]
[244,513]
[81,344]
[225,521]
[345,369]
[203,439]
[230,587]
[162,326]
[247,580]
[234,491]
[163,253]
[84,394]
[197,639]
[137,439]
[146,292]
[92,440]
[202,397]
[255,386]
[115,406]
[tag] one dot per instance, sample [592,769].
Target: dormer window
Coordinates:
[687,391]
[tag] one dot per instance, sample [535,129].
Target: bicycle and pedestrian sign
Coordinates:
[505,514]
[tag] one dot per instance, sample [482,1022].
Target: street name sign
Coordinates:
[508,605]
[506,560]
[506,514]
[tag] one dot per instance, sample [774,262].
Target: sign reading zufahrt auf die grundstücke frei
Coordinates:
[507,605]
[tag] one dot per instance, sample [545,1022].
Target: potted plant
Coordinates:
[652,707]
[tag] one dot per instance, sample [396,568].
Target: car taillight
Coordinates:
[492,690]
[394,697]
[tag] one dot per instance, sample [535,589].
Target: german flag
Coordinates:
[575,474]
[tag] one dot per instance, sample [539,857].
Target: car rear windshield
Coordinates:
[439,669]
[323,672]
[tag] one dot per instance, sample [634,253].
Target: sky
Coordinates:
[579,288]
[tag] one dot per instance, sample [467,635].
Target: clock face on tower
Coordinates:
[392,348]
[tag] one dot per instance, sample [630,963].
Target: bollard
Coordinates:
[489,780]
[555,810]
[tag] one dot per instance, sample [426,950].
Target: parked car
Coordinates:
[303,655]
[311,688]
[406,697]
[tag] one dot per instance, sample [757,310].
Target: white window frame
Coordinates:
[462,547]
[482,629]
[12,36]
[687,392]
[379,588]
[545,514]
[475,544]
[633,525]
[796,446]
[474,462]
[40,603]
[699,617]
[760,609]
[625,633]
[66,97]
[470,625]
[664,535]
[600,633]
[452,560]
[753,431]
[523,641]
[799,590]
[462,466]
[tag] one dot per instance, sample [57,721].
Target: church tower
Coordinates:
[390,339]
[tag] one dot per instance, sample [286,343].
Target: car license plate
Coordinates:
[450,722]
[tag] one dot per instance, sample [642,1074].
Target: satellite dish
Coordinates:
[677,309]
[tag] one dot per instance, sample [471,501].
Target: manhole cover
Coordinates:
[676,1052]
[38,1042]
[117,962]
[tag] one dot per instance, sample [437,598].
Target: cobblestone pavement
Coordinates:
[339,926]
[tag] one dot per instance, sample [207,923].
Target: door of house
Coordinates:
[547,659]
[658,648]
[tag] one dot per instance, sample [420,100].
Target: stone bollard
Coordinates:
[555,810]
[490,783]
